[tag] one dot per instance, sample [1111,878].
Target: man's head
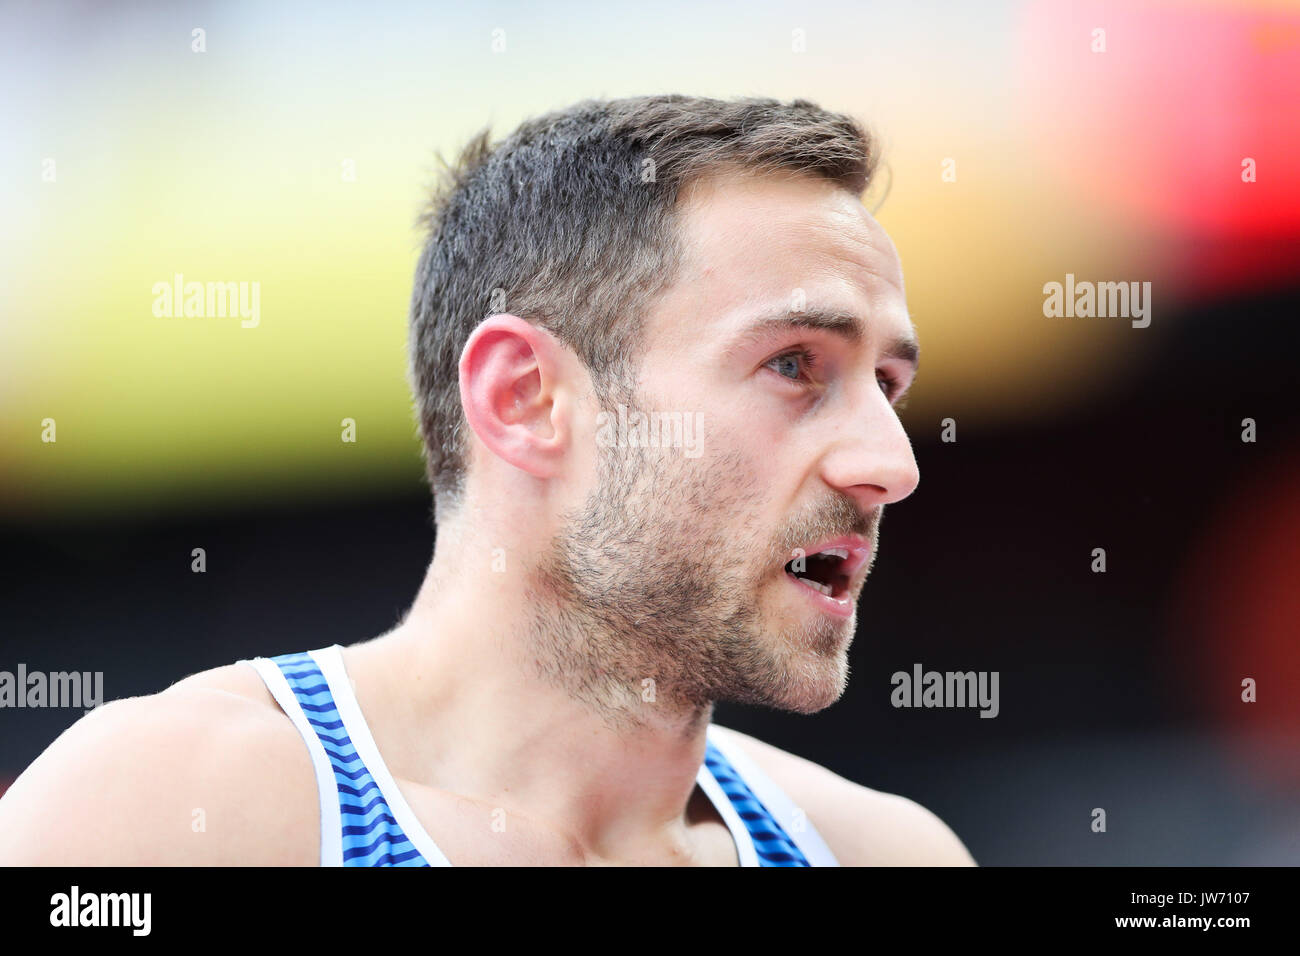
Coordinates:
[708,264]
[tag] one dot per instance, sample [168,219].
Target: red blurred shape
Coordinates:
[1157,127]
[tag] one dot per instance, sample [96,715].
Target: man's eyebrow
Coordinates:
[844,324]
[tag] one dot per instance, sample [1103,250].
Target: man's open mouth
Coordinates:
[822,572]
[831,569]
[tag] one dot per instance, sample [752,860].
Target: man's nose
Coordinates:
[871,457]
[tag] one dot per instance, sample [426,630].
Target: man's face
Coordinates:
[677,566]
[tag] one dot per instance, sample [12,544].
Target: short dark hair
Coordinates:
[570,223]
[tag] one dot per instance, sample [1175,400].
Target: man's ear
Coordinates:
[510,389]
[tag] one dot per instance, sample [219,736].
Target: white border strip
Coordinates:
[774,798]
[745,850]
[330,661]
[331,819]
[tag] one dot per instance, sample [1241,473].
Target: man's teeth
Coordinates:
[824,588]
[836,552]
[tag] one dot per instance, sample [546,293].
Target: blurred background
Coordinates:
[1022,145]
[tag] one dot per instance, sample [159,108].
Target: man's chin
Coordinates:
[810,679]
[820,692]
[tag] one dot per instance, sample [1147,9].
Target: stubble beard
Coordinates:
[646,604]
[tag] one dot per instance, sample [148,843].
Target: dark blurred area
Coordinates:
[1119,690]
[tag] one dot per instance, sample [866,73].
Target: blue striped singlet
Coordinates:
[365,820]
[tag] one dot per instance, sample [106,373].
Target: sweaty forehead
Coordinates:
[753,240]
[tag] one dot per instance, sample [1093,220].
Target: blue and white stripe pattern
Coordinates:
[771,842]
[371,837]
[363,826]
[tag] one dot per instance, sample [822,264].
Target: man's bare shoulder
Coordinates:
[863,827]
[209,771]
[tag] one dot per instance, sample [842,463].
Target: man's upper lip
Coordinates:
[859,550]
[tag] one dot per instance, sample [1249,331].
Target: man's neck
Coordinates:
[475,712]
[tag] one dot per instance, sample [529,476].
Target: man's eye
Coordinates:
[892,387]
[792,363]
